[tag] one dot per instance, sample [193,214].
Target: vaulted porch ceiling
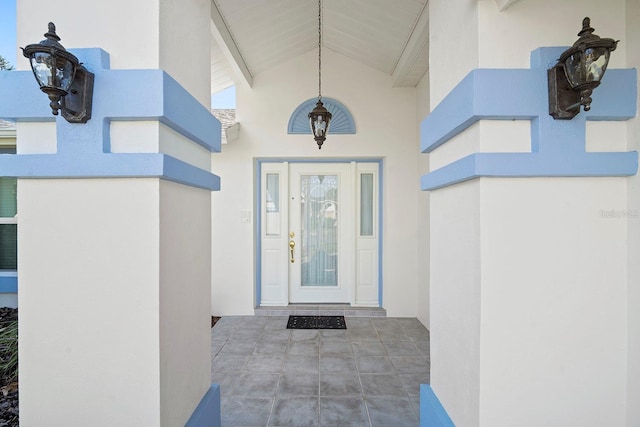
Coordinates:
[251,36]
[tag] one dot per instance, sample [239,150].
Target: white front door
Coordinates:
[321,228]
[319,233]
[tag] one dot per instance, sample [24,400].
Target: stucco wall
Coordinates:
[145,34]
[549,265]
[65,250]
[553,301]
[122,265]
[185,276]
[630,45]
[386,125]
[423,312]
[455,312]
[453,45]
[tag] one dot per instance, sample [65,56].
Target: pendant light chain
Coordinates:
[319,49]
[319,117]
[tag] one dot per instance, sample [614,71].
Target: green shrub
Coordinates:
[9,351]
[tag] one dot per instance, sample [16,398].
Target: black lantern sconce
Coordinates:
[319,117]
[61,76]
[578,72]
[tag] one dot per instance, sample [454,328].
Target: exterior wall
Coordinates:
[547,266]
[455,315]
[185,276]
[453,45]
[149,35]
[123,265]
[423,212]
[580,275]
[386,125]
[553,302]
[454,229]
[129,31]
[506,38]
[67,217]
[185,43]
[630,45]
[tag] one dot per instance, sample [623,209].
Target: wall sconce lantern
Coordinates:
[61,76]
[578,72]
[319,117]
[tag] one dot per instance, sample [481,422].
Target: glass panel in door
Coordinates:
[319,230]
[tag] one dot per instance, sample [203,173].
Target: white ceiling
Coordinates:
[251,36]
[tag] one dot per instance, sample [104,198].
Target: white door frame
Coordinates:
[272,252]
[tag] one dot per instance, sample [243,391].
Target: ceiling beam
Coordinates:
[416,43]
[227,44]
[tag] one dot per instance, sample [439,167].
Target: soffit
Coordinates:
[383,34]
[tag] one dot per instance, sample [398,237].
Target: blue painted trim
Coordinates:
[510,94]
[208,413]
[184,173]
[8,282]
[258,239]
[380,228]
[112,165]
[341,120]
[258,231]
[432,413]
[83,150]
[516,165]
[482,94]
[557,146]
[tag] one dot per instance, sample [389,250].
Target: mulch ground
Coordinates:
[8,386]
[214,320]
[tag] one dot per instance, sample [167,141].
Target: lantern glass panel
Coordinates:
[588,67]
[320,125]
[65,71]
[42,64]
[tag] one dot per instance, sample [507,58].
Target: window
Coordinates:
[8,219]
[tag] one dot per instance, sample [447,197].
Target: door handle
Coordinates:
[292,245]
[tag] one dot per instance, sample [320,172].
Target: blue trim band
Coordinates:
[83,150]
[530,165]
[380,228]
[8,282]
[208,413]
[341,118]
[112,165]
[258,230]
[557,146]
[503,94]
[432,413]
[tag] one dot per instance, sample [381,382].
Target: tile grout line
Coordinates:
[364,401]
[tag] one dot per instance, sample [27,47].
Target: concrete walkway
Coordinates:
[366,375]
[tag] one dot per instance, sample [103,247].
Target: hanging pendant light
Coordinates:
[319,117]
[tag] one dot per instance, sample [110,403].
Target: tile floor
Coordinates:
[366,375]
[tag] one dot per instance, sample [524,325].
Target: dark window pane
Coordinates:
[8,246]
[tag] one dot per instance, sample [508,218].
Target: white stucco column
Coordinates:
[632,41]
[114,270]
[531,272]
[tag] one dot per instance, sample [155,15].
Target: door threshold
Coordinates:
[320,310]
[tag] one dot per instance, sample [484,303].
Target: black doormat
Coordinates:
[316,322]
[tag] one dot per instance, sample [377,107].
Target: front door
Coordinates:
[319,233]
